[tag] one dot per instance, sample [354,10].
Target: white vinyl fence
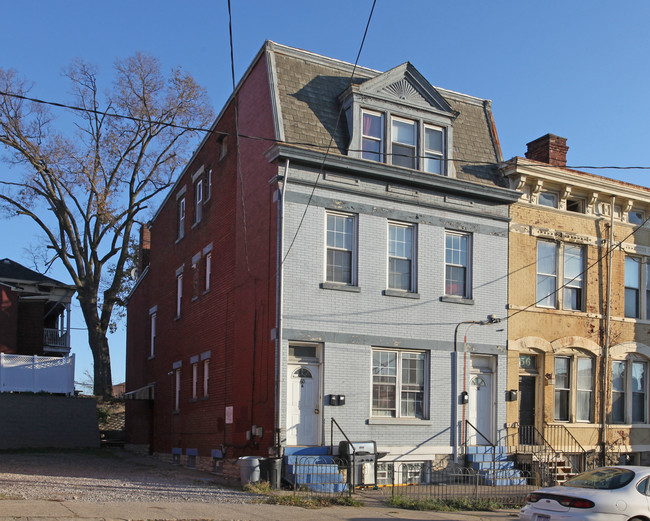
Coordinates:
[20,373]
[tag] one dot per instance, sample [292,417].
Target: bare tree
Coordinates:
[87,188]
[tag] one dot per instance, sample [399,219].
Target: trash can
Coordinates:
[249,469]
[271,471]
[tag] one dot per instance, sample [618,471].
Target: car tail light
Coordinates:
[575,502]
[565,501]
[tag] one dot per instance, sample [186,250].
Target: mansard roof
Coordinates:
[307,89]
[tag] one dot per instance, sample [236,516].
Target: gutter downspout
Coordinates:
[607,332]
[280,303]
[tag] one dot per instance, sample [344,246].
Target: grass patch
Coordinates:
[446,505]
[274,497]
[10,496]
[295,500]
[260,487]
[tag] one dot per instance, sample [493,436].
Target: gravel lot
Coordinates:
[107,475]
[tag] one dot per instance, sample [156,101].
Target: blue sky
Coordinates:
[578,69]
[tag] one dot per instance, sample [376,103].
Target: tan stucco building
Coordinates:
[579,311]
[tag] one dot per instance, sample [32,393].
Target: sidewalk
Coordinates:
[22,510]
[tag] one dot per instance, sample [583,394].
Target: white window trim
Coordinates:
[560,284]
[382,138]
[386,141]
[198,201]
[643,291]
[195,378]
[398,386]
[354,251]
[468,268]
[574,390]
[179,293]
[550,193]
[413,275]
[629,391]
[177,389]
[180,209]
[206,377]
[152,318]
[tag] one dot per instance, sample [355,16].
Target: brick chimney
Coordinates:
[145,247]
[549,149]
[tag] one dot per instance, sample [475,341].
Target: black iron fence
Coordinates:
[414,481]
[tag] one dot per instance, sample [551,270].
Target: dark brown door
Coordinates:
[527,410]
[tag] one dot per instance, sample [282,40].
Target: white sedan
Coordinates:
[619,493]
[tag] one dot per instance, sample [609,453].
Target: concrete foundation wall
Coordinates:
[35,421]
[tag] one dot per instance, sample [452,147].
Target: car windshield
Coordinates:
[608,478]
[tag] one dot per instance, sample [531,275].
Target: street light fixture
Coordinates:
[491,319]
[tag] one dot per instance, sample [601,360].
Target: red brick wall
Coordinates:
[30,327]
[233,320]
[8,320]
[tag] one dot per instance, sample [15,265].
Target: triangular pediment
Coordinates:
[404,84]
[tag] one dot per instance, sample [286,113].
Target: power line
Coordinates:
[237,143]
[583,272]
[329,145]
[299,143]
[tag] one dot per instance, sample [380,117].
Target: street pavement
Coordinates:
[40,510]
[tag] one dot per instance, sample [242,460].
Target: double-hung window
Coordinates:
[195,378]
[633,287]
[372,136]
[208,271]
[573,270]
[206,377]
[399,141]
[401,249]
[546,274]
[629,391]
[555,263]
[177,387]
[404,142]
[180,211]
[179,293]
[198,201]
[457,265]
[341,248]
[152,322]
[562,387]
[434,150]
[574,372]
[399,384]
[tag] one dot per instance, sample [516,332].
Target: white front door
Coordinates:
[480,409]
[303,410]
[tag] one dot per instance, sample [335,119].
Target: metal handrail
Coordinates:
[494,447]
[573,444]
[354,450]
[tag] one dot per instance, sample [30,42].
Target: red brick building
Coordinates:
[34,312]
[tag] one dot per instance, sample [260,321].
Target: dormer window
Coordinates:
[372,137]
[404,142]
[403,145]
[399,118]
